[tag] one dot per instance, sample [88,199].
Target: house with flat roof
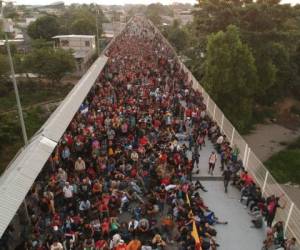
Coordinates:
[83,48]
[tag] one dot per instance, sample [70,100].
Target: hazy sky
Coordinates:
[118,2]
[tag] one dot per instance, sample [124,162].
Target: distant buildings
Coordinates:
[185,17]
[26,21]
[112,29]
[83,48]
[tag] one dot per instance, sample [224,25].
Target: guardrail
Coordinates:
[290,214]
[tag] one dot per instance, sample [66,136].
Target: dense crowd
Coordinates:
[121,176]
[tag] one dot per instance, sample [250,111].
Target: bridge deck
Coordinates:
[237,234]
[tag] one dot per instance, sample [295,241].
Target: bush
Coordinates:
[295,110]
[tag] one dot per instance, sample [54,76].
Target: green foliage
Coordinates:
[2,35]
[10,132]
[42,93]
[83,26]
[230,74]
[272,33]
[156,10]
[162,10]
[177,36]
[295,110]
[81,20]
[284,166]
[11,135]
[10,12]
[4,67]
[41,43]
[44,27]
[155,18]
[50,63]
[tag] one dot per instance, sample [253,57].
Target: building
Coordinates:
[26,21]
[82,46]
[112,29]
[185,17]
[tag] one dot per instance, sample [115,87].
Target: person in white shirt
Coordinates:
[220,140]
[56,246]
[68,191]
[132,225]
[62,176]
[212,162]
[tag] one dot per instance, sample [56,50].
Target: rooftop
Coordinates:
[74,36]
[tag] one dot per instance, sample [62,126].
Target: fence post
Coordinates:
[247,160]
[214,112]
[288,217]
[265,182]
[207,102]
[245,155]
[232,136]
[222,122]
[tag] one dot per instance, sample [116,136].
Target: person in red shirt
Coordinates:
[105,227]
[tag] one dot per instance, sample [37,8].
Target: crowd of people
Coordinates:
[121,176]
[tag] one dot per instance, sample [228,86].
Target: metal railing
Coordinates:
[290,214]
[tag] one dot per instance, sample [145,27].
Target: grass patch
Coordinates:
[285,165]
[283,143]
[295,144]
[262,112]
[295,110]
[32,92]
[11,134]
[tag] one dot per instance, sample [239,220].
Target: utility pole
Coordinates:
[20,112]
[97,33]
[14,81]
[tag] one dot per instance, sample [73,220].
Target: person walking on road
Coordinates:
[212,162]
[195,158]
[227,176]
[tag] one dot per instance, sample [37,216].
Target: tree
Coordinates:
[82,19]
[83,26]
[177,36]
[41,43]
[44,27]
[4,67]
[50,63]
[231,75]
[156,10]
[155,18]
[5,84]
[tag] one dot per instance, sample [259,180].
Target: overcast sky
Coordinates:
[119,2]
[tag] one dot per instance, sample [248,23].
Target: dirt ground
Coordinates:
[268,139]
